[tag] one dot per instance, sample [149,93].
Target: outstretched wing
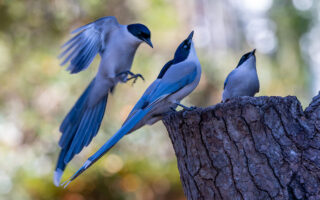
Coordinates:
[81,49]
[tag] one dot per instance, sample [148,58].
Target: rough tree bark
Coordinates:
[249,148]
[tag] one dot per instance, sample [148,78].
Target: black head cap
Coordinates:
[183,50]
[246,57]
[141,32]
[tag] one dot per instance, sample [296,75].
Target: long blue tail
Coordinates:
[78,128]
[111,142]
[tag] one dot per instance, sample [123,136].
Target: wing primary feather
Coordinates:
[73,45]
[88,41]
[72,40]
[84,58]
[81,28]
[71,55]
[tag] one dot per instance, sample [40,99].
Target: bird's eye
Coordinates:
[185,46]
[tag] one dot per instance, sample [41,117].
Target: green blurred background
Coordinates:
[36,94]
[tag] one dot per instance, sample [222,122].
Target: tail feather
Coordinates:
[87,130]
[76,141]
[97,114]
[73,116]
[111,142]
[59,168]
[57,177]
[78,128]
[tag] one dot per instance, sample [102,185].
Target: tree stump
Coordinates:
[249,148]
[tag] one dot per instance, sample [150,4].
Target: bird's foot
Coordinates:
[124,76]
[186,107]
[173,109]
[135,77]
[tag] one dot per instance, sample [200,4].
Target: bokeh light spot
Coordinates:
[302,5]
[130,183]
[113,164]
[5,183]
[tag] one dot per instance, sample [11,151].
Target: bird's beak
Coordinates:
[148,41]
[189,38]
[253,52]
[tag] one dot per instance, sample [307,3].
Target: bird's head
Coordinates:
[183,49]
[248,57]
[141,32]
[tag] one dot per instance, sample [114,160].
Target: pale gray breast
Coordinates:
[242,82]
[118,55]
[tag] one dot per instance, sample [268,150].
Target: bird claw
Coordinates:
[133,76]
[173,109]
[192,108]
[186,107]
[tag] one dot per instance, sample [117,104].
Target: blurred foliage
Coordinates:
[35,93]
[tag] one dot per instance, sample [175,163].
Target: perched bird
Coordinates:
[178,78]
[116,45]
[243,80]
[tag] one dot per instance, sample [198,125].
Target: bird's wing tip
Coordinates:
[57,177]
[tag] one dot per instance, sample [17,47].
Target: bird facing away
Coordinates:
[243,80]
[116,45]
[178,78]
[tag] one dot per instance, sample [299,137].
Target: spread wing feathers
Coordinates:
[81,49]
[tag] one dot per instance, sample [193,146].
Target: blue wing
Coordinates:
[177,77]
[81,49]
[226,81]
[173,80]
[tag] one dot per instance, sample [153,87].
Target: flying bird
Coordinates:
[243,80]
[116,44]
[177,79]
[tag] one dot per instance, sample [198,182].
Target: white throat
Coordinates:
[192,54]
[249,64]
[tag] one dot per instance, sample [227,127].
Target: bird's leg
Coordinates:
[133,76]
[186,107]
[126,73]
